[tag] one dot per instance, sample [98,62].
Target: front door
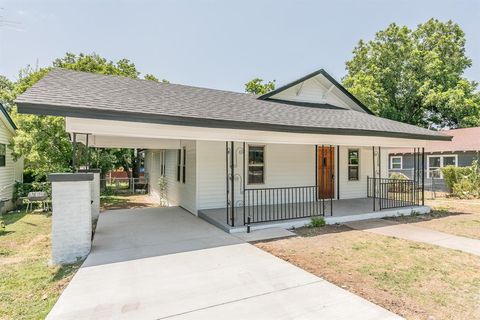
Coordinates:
[325,172]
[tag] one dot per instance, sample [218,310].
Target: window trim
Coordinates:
[248,165]
[441,156]
[353,165]
[4,155]
[391,162]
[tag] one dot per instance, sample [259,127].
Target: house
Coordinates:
[460,152]
[308,148]
[10,171]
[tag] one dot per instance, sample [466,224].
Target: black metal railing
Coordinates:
[393,193]
[276,204]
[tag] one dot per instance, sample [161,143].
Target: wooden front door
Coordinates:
[325,172]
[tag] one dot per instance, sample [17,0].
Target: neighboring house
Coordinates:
[460,152]
[10,171]
[307,148]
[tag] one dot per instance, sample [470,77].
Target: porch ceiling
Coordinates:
[111,133]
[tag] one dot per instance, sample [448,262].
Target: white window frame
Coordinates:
[401,162]
[441,156]
[353,165]
[264,165]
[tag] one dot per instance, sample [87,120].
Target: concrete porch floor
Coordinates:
[345,210]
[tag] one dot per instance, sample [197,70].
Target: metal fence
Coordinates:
[124,186]
[276,204]
[393,193]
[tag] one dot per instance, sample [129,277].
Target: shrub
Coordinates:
[463,182]
[317,222]
[21,189]
[453,175]
[398,176]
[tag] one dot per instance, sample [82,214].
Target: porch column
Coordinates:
[95,192]
[71,216]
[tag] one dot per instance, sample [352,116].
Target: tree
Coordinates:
[42,140]
[256,86]
[416,76]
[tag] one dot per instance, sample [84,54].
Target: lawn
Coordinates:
[411,279]
[450,215]
[29,286]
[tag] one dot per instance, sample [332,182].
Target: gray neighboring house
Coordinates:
[461,152]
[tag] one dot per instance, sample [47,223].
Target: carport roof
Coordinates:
[86,95]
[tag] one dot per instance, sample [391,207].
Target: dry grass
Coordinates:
[29,287]
[450,215]
[411,279]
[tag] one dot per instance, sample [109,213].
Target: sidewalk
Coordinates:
[419,234]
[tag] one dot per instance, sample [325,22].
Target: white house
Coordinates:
[10,171]
[305,149]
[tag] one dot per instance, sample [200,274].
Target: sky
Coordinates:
[213,43]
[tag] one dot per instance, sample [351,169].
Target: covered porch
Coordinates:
[336,211]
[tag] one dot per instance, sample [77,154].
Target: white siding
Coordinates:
[285,165]
[358,189]
[13,171]
[178,193]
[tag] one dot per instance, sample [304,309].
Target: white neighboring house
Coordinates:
[308,148]
[10,171]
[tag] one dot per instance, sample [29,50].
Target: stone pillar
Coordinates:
[71,216]
[95,192]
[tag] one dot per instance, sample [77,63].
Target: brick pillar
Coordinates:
[95,192]
[71,216]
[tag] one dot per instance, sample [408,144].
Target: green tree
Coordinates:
[416,76]
[257,86]
[42,140]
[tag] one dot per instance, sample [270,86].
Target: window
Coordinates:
[435,163]
[353,165]
[3,154]
[396,162]
[184,164]
[179,161]
[256,164]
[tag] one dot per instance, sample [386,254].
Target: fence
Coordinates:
[124,186]
[276,204]
[394,193]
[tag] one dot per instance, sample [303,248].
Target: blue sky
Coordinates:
[217,44]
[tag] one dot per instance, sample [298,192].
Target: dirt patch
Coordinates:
[127,202]
[410,279]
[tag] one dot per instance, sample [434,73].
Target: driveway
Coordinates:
[166,263]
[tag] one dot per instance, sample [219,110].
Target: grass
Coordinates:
[412,279]
[29,286]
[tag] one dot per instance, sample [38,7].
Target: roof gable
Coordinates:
[316,88]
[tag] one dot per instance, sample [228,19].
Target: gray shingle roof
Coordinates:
[71,93]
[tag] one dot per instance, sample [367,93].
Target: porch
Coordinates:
[336,211]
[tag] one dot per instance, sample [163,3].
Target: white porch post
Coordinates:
[71,216]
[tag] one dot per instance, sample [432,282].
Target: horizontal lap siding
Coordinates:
[285,165]
[152,168]
[10,173]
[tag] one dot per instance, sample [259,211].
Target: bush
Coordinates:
[21,189]
[463,182]
[453,175]
[317,222]
[398,176]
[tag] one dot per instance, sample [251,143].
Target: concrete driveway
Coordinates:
[166,263]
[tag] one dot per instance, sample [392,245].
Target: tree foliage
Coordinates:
[257,86]
[416,76]
[42,140]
